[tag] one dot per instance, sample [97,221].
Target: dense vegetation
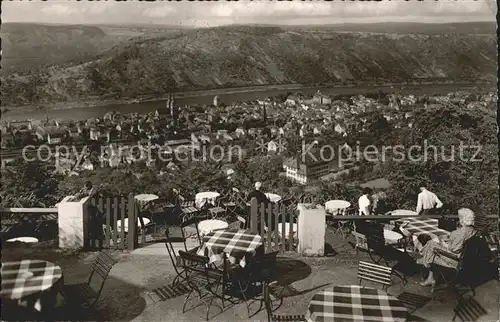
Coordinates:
[243,56]
[460,182]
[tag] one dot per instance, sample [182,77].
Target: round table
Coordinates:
[28,277]
[273,197]
[125,226]
[402,212]
[392,237]
[28,240]
[336,207]
[207,226]
[355,303]
[203,197]
[144,199]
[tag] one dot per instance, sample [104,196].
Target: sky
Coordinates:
[205,14]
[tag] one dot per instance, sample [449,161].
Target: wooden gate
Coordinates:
[112,223]
[275,223]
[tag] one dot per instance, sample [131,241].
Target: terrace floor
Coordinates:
[129,294]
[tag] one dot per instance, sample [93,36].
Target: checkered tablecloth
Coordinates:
[355,303]
[27,277]
[418,226]
[236,244]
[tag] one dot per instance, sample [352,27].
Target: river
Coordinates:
[228,96]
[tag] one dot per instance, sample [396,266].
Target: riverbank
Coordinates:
[96,107]
[97,102]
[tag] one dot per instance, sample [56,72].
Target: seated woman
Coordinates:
[454,245]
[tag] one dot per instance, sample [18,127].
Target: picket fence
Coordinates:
[118,223]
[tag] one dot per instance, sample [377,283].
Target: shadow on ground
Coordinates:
[120,299]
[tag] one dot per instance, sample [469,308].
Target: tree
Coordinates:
[29,184]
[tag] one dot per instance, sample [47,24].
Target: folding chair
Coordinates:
[187,208]
[87,294]
[379,250]
[229,201]
[202,277]
[275,317]
[176,260]
[383,275]
[470,263]
[375,273]
[217,212]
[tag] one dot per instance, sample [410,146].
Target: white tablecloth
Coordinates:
[125,226]
[337,207]
[392,237]
[204,197]
[28,240]
[146,197]
[208,226]
[273,197]
[402,212]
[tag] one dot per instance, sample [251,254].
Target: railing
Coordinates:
[40,223]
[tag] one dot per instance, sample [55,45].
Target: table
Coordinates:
[145,198]
[273,197]
[125,226]
[28,240]
[203,197]
[236,244]
[402,212]
[28,277]
[337,207]
[208,226]
[418,226]
[392,237]
[355,303]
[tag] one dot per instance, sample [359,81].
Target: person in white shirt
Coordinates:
[364,202]
[427,201]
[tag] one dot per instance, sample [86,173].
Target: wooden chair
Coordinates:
[375,273]
[87,294]
[382,275]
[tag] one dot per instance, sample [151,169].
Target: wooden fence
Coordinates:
[275,223]
[115,225]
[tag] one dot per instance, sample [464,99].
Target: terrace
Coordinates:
[140,285]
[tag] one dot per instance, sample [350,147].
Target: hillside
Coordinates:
[409,28]
[243,56]
[28,45]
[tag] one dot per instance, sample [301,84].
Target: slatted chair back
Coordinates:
[375,273]
[100,271]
